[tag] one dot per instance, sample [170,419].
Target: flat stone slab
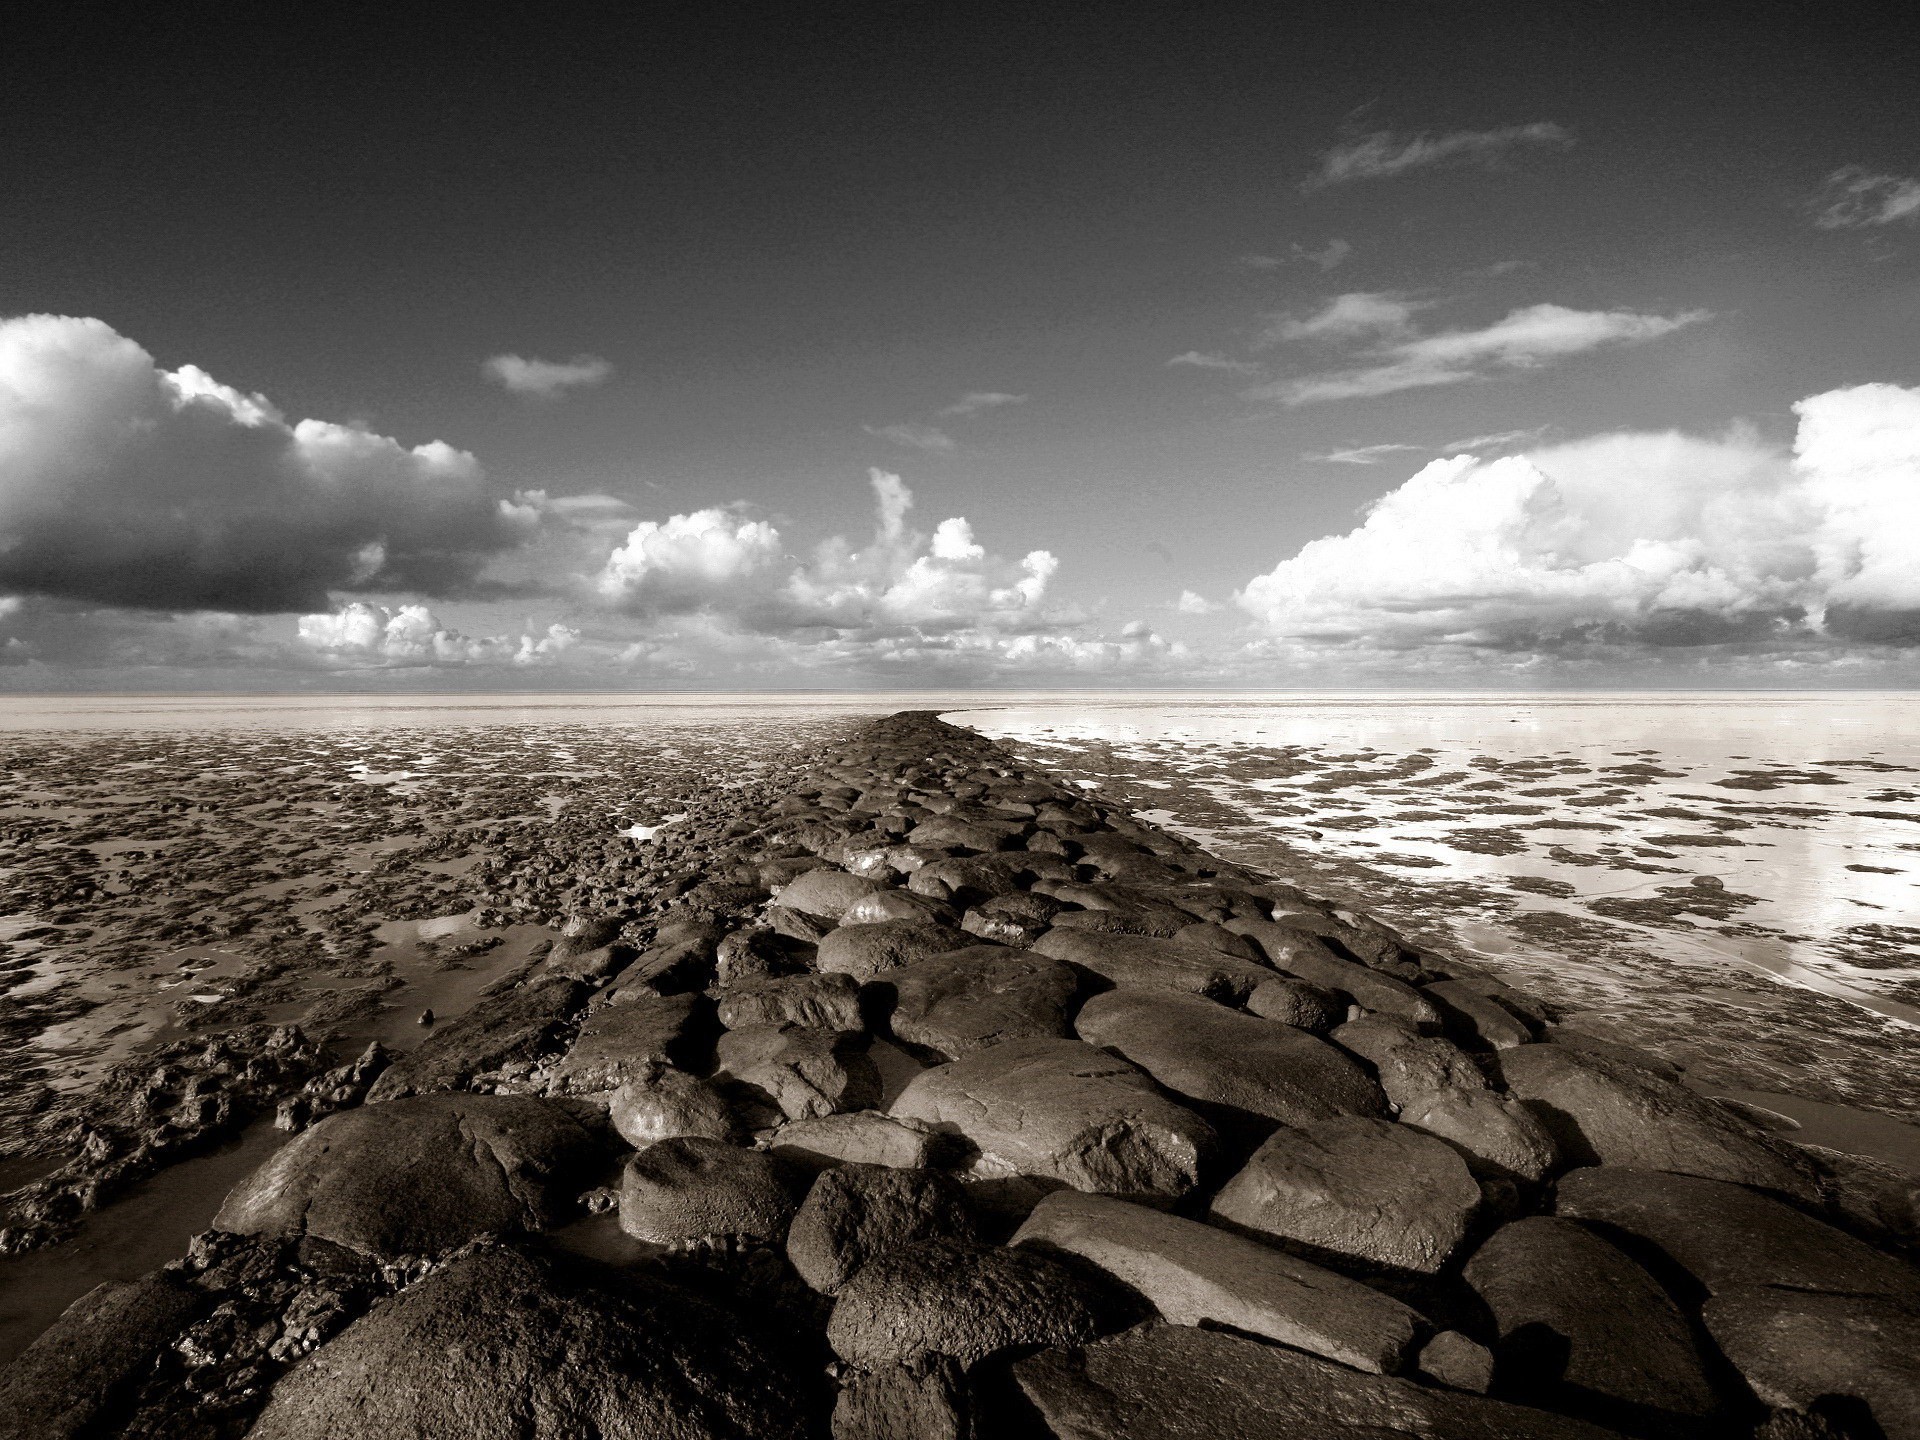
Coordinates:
[518,1024]
[1170,1382]
[1367,1190]
[619,1043]
[1197,1274]
[966,1000]
[417,1176]
[859,1137]
[1061,1110]
[1141,960]
[1209,1053]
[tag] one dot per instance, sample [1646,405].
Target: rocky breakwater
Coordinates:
[938,1100]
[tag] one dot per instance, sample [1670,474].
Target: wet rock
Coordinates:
[859,1137]
[498,1346]
[1456,1361]
[949,832]
[519,1024]
[1297,1003]
[858,1212]
[802,1072]
[966,1000]
[897,905]
[1365,1190]
[1302,955]
[668,967]
[417,1176]
[1603,1111]
[1218,1056]
[680,1192]
[619,1043]
[820,1002]
[1477,1019]
[962,881]
[968,1302]
[74,1380]
[1584,1329]
[668,1104]
[863,951]
[1409,1066]
[1061,1110]
[1499,1136]
[1802,1349]
[1723,1235]
[926,1400]
[825,893]
[1018,919]
[1171,1382]
[1196,1274]
[1136,960]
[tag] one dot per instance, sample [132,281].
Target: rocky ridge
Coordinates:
[932,1097]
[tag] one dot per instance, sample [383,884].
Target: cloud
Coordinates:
[974,401]
[1526,339]
[690,562]
[125,484]
[546,379]
[1345,317]
[1326,257]
[1201,361]
[1497,440]
[1383,154]
[1642,542]
[1854,198]
[360,634]
[1363,455]
[1193,603]
[915,437]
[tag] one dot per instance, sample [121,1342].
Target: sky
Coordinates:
[863,346]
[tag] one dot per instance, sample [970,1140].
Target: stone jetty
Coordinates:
[934,1098]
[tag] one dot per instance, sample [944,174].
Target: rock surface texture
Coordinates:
[925,1096]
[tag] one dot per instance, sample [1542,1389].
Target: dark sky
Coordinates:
[793,229]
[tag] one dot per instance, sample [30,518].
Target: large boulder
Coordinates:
[618,1043]
[824,893]
[1410,1066]
[1139,960]
[863,951]
[951,832]
[801,1071]
[1604,1111]
[1362,1189]
[498,1346]
[667,1104]
[859,1137]
[966,1301]
[819,1002]
[1476,1018]
[1499,1136]
[1172,1382]
[1224,1057]
[858,1212]
[1303,955]
[418,1176]
[1796,1347]
[1723,1235]
[523,1023]
[1196,1274]
[1061,1110]
[680,1192]
[1584,1329]
[966,1000]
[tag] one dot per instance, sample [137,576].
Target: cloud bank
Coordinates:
[360,634]
[125,484]
[1648,541]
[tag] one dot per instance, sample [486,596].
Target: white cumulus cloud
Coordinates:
[359,634]
[546,379]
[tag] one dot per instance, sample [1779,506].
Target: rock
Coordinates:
[859,1137]
[863,951]
[1018,919]
[668,1105]
[926,1400]
[1457,1361]
[1218,1056]
[1366,1190]
[965,1000]
[1474,1018]
[825,893]
[968,880]
[1297,1003]
[1410,1066]
[1603,1111]
[1499,1136]
[618,1043]
[1798,1348]
[1196,1274]
[1138,960]
[1584,1329]
[497,1346]
[798,926]
[820,1002]
[519,1024]
[969,1302]
[1723,1235]
[948,832]
[1575,1039]
[897,905]
[1215,937]
[1302,955]
[73,1379]
[1159,922]
[858,1212]
[1171,1382]
[1061,1110]
[801,1072]
[682,1191]
[752,953]
[418,1176]
[668,967]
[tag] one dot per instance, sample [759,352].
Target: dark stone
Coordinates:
[863,951]
[965,1000]
[1801,1348]
[679,1192]
[858,1212]
[1142,961]
[801,1072]
[619,1043]
[519,1024]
